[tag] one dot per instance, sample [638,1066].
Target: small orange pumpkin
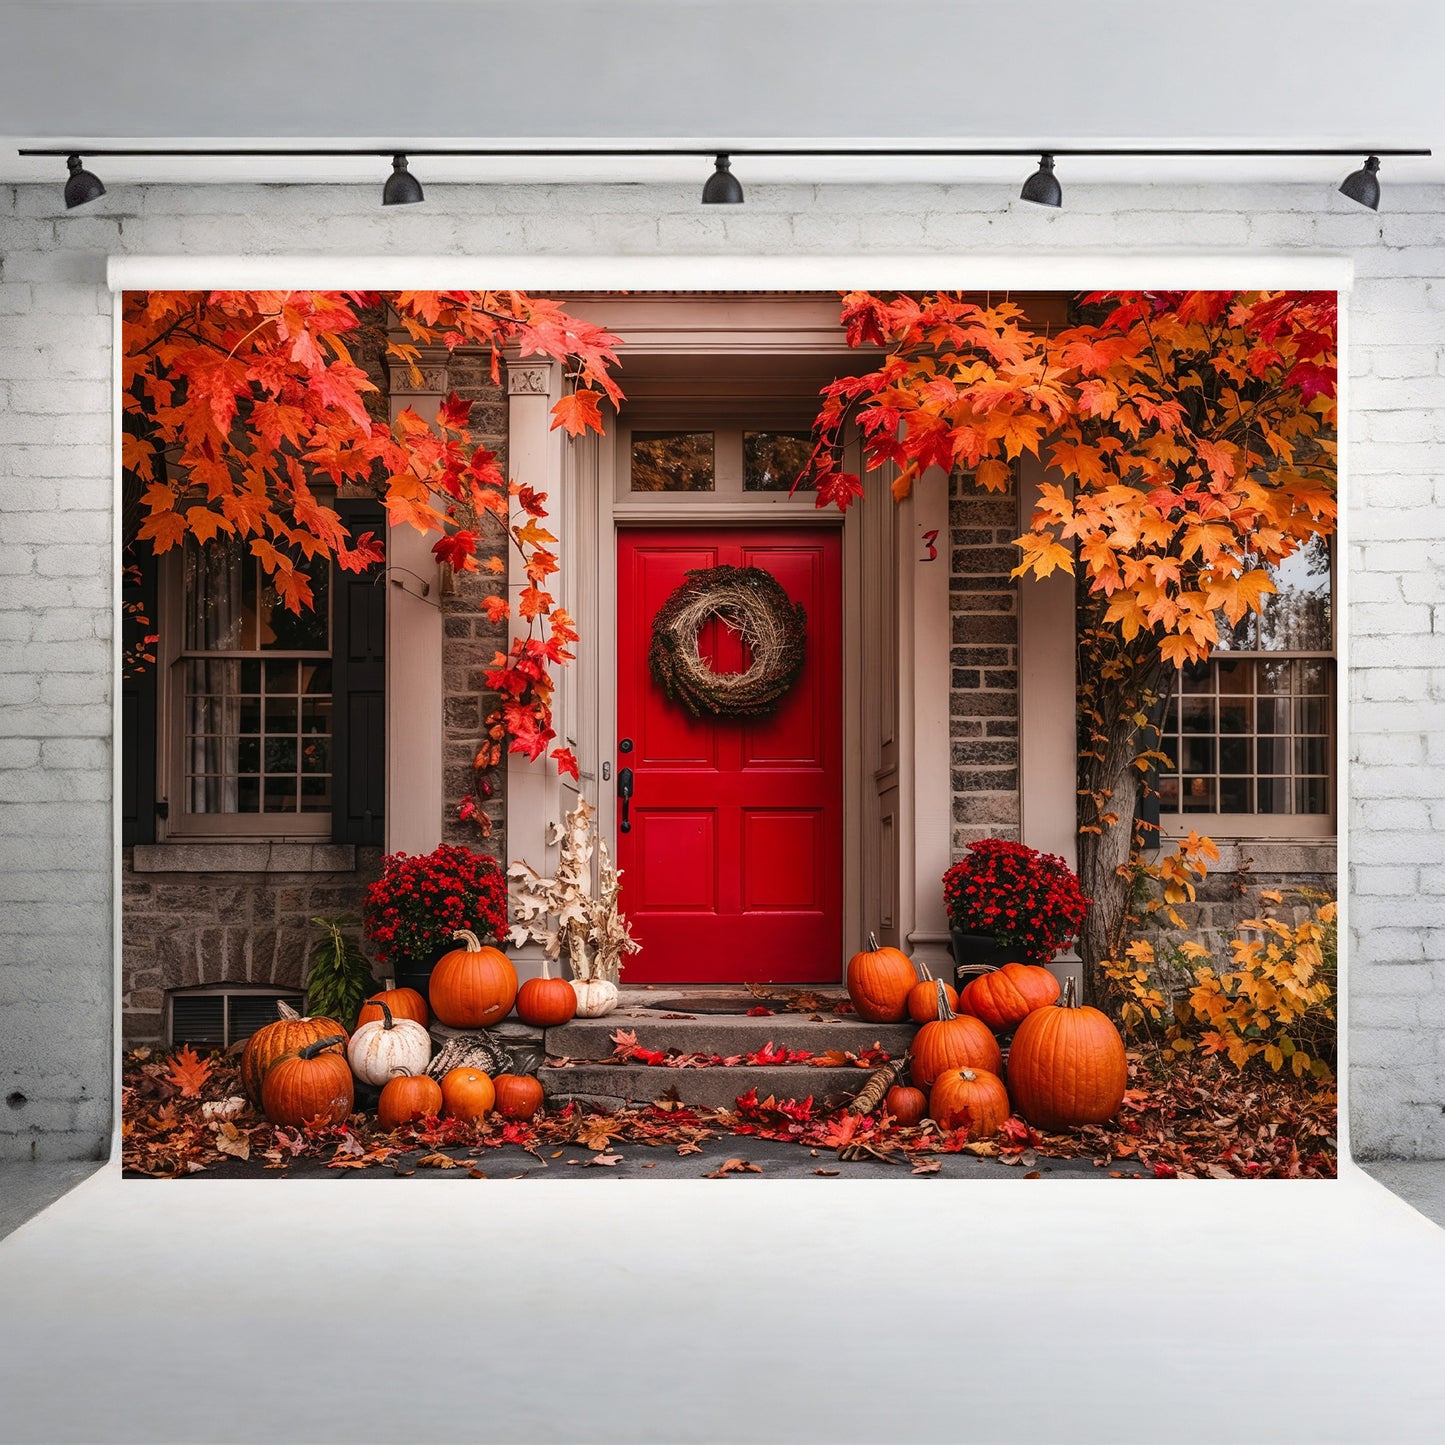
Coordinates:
[923,997]
[1067,1066]
[1004,997]
[952,1041]
[472,986]
[408,1097]
[404,1003]
[289,1033]
[468,1093]
[546,1002]
[974,1097]
[878,983]
[907,1104]
[519,1096]
[312,1083]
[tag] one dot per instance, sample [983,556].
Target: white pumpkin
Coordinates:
[386,1047]
[595,997]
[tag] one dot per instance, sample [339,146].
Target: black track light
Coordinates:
[1363,185]
[722,188]
[1042,188]
[82,186]
[402,188]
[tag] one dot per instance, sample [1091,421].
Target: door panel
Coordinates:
[733,864]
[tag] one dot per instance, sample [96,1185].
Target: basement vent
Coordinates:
[216,1018]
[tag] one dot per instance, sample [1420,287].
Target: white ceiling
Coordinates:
[712,72]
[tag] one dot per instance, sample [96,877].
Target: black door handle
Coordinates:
[624,789]
[624,792]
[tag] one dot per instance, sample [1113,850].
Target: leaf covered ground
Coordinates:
[185,1115]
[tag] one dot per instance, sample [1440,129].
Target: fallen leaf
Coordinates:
[927,1166]
[188,1072]
[605,1159]
[230,1140]
[734,1166]
[831,1173]
[439,1160]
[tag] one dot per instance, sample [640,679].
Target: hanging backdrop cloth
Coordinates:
[753,603]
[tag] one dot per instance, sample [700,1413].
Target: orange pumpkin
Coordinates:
[468,1094]
[519,1096]
[289,1033]
[952,1041]
[472,986]
[408,1097]
[546,1002]
[878,983]
[404,1003]
[923,997]
[1004,997]
[1067,1066]
[312,1083]
[974,1097]
[906,1104]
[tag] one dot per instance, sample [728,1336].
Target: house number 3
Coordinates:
[929,540]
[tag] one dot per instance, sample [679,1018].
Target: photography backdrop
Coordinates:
[69,69]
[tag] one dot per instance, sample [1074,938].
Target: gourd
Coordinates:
[289,1033]
[405,1003]
[519,1096]
[1004,997]
[467,1094]
[472,986]
[546,1002]
[974,1097]
[923,997]
[388,1046]
[1067,1065]
[595,996]
[878,983]
[408,1097]
[952,1041]
[907,1104]
[312,1083]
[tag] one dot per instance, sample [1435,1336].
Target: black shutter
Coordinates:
[138,698]
[358,673]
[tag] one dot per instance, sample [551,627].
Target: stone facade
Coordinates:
[206,913]
[983,698]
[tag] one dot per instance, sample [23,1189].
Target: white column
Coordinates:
[924,691]
[535,454]
[413,654]
[1048,747]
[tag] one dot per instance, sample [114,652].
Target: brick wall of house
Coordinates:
[469,641]
[983,695]
[211,925]
[56,480]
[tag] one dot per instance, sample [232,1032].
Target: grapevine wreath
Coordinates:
[753,603]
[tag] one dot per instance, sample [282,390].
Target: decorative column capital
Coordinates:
[432,380]
[529,380]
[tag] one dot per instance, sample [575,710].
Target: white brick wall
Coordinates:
[55,529]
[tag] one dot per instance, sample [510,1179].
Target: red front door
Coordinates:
[733,864]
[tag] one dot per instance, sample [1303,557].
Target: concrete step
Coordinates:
[716,1088]
[724,1034]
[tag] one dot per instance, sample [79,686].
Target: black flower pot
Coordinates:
[409,973]
[975,953]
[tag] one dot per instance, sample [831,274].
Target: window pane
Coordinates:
[772,460]
[1311,795]
[1200,796]
[220,602]
[304,631]
[1297,617]
[672,461]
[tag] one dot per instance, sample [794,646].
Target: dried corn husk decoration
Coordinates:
[591,930]
[873,1092]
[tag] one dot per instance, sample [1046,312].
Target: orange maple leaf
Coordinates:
[188,1071]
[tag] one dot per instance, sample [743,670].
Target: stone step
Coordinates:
[724,1034]
[717,1088]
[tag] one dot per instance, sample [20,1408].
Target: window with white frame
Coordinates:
[723,460]
[248,700]
[1251,732]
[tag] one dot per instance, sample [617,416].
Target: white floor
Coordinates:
[723,1310]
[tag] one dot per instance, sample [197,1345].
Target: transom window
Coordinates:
[718,461]
[253,720]
[1251,731]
